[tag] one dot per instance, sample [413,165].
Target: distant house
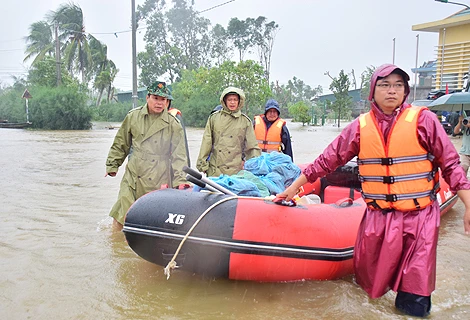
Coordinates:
[453,49]
[358,104]
[126,96]
[426,73]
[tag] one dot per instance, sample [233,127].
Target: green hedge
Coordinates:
[62,108]
[12,106]
[112,112]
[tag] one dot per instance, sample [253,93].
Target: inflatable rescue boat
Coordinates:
[241,238]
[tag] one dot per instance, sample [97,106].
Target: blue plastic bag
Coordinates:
[275,169]
[239,186]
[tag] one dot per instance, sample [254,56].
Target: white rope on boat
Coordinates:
[172,264]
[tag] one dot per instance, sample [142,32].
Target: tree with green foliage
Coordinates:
[60,108]
[112,111]
[82,53]
[12,106]
[44,73]
[254,34]
[176,39]
[77,54]
[294,91]
[199,90]
[222,49]
[241,35]
[340,87]
[264,33]
[104,71]
[366,76]
[301,112]
[39,42]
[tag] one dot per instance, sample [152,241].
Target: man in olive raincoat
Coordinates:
[158,151]
[229,138]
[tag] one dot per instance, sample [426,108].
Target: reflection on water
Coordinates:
[62,259]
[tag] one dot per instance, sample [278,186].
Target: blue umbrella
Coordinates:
[451,102]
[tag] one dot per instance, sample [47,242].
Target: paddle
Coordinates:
[199,176]
[201,184]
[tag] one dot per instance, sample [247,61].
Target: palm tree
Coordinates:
[113,71]
[99,55]
[104,70]
[104,80]
[40,42]
[77,54]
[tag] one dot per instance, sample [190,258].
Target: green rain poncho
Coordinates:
[157,158]
[229,140]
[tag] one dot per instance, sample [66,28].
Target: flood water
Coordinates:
[61,258]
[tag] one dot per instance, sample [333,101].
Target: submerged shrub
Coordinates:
[60,108]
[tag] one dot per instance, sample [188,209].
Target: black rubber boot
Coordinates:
[413,304]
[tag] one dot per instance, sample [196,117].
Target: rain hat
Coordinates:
[384,71]
[272,104]
[160,88]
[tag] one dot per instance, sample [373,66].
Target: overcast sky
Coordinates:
[315,36]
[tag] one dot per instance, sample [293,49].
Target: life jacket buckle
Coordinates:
[387,161]
[391,198]
[388,179]
[432,174]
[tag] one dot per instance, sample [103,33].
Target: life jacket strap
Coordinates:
[267,142]
[390,161]
[393,179]
[398,197]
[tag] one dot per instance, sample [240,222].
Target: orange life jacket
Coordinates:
[398,175]
[269,140]
[174,112]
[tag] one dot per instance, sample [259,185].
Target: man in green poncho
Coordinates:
[229,138]
[158,151]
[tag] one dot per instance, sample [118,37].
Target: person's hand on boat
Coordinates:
[111,174]
[287,194]
[183,186]
[293,189]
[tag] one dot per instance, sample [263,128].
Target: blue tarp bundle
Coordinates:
[242,184]
[267,174]
[275,169]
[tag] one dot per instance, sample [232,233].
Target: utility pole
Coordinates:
[393,57]
[416,67]
[441,82]
[57,55]
[134,60]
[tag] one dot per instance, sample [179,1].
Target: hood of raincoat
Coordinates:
[272,104]
[384,71]
[240,93]
[385,121]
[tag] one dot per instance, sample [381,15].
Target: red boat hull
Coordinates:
[251,238]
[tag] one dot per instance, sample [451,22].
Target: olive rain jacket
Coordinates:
[158,156]
[229,140]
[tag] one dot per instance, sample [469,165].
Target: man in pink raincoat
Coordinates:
[395,249]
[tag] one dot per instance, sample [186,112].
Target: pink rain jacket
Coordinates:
[396,250]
